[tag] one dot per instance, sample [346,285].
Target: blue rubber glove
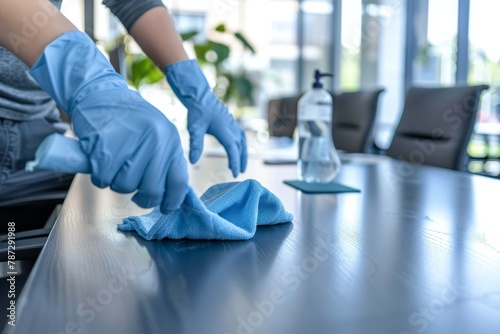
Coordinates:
[206,114]
[130,144]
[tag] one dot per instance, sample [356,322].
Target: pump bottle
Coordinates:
[318,160]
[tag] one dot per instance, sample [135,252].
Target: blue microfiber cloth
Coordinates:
[226,211]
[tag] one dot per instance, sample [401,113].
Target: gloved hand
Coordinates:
[130,144]
[206,114]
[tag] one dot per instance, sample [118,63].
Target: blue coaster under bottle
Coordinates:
[320,188]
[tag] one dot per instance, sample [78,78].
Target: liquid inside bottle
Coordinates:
[318,162]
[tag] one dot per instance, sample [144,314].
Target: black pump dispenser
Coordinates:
[317,78]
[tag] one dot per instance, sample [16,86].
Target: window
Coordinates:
[317,52]
[351,45]
[373,56]
[484,55]
[484,68]
[73,10]
[436,23]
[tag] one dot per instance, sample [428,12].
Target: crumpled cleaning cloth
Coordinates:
[226,211]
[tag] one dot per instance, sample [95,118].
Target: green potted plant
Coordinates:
[232,86]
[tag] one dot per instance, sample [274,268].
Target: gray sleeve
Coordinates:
[128,11]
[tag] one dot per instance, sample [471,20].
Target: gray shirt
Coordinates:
[21,98]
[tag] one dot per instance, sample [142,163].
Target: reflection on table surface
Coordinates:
[417,251]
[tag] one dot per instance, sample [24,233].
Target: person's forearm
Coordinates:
[28,26]
[156,34]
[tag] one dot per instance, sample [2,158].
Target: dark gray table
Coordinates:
[417,251]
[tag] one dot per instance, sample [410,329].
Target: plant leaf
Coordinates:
[221,50]
[244,88]
[201,50]
[144,71]
[230,89]
[221,28]
[244,41]
[189,35]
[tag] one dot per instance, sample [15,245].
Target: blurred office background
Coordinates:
[392,44]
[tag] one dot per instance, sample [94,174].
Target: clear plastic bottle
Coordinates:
[318,160]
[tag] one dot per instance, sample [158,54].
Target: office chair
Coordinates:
[282,116]
[352,124]
[33,212]
[30,212]
[353,120]
[436,126]
[28,244]
[34,217]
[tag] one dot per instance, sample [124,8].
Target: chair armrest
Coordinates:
[39,232]
[26,249]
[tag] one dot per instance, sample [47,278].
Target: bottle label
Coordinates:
[316,112]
